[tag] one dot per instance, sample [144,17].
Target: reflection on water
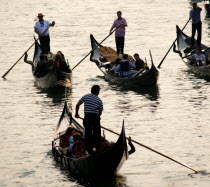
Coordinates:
[150,92]
[172,115]
[58,94]
[105,181]
[193,76]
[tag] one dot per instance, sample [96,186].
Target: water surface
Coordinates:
[172,118]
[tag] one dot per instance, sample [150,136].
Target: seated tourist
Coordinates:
[138,62]
[79,148]
[197,58]
[62,55]
[124,67]
[65,139]
[42,68]
[76,136]
[61,63]
[115,64]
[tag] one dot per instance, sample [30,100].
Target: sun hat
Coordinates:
[40,15]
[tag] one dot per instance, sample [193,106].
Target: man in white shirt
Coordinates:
[198,57]
[41,29]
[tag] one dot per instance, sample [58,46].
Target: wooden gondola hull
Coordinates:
[48,81]
[150,78]
[104,162]
[51,79]
[207,8]
[146,78]
[183,43]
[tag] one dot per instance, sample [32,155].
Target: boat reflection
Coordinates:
[111,181]
[57,94]
[151,92]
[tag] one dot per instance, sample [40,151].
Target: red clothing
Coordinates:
[78,148]
[65,141]
[58,65]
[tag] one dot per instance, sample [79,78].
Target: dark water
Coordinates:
[172,118]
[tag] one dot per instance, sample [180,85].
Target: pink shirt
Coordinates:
[120,32]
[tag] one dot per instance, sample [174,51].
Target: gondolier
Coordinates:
[195,15]
[104,163]
[120,32]
[93,107]
[39,28]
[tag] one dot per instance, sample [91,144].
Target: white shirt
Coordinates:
[42,26]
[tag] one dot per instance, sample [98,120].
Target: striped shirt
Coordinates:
[120,32]
[93,104]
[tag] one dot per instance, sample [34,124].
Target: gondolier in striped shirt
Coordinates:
[93,107]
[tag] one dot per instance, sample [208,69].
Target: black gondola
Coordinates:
[140,79]
[207,8]
[106,161]
[54,77]
[184,50]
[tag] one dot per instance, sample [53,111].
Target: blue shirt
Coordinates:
[126,73]
[131,66]
[195,15]
[93,104]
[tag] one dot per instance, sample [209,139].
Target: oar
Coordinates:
[154,151]
[173,44]
[95,48]
[150,149]
[23,54]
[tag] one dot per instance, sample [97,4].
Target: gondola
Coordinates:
[207,8]
[140,79]
[54,77]
[106,161]
[184,50]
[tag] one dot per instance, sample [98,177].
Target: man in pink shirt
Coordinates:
[120,23]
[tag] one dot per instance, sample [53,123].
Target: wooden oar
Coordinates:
[154,151]
[150,149]
[23,55]
[95,47]
[172,44]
